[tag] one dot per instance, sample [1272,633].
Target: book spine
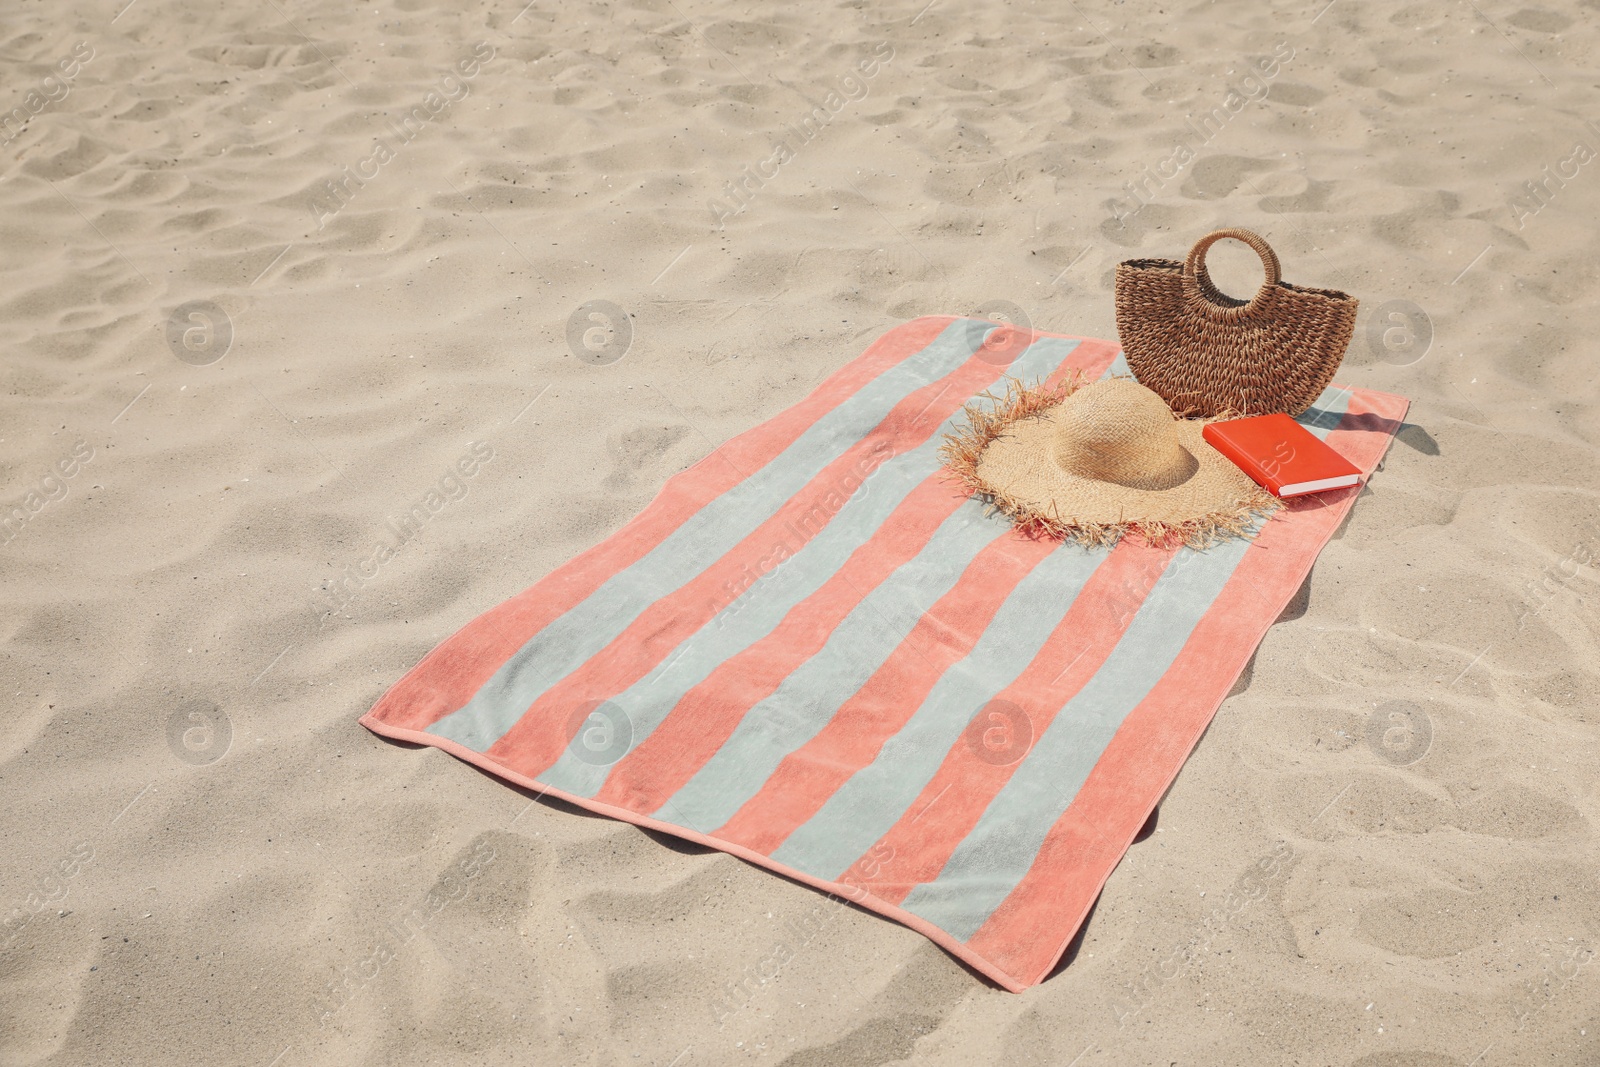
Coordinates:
[1219,440]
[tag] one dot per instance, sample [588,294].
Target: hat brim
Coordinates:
[1005,456]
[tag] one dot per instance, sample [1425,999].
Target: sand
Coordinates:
[1381,853]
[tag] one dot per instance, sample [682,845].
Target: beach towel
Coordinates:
[815,652]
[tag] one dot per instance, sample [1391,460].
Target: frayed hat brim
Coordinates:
[991,416]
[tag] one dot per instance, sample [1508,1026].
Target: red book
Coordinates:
[1282,455]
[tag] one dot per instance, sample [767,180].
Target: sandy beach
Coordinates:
[329,327]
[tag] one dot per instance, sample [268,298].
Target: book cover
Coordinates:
[1281,455]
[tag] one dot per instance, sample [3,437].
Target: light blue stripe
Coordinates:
[1322,417]
[566,643]
[767,603]
[994,857]
[876,796]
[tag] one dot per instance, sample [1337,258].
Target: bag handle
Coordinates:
[1195,265]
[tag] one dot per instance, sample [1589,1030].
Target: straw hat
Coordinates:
[1093,462]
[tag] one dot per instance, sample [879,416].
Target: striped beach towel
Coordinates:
[814,652]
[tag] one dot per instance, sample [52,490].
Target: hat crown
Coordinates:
[1121,432]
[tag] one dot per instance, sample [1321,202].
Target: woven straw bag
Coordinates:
[1207,353]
